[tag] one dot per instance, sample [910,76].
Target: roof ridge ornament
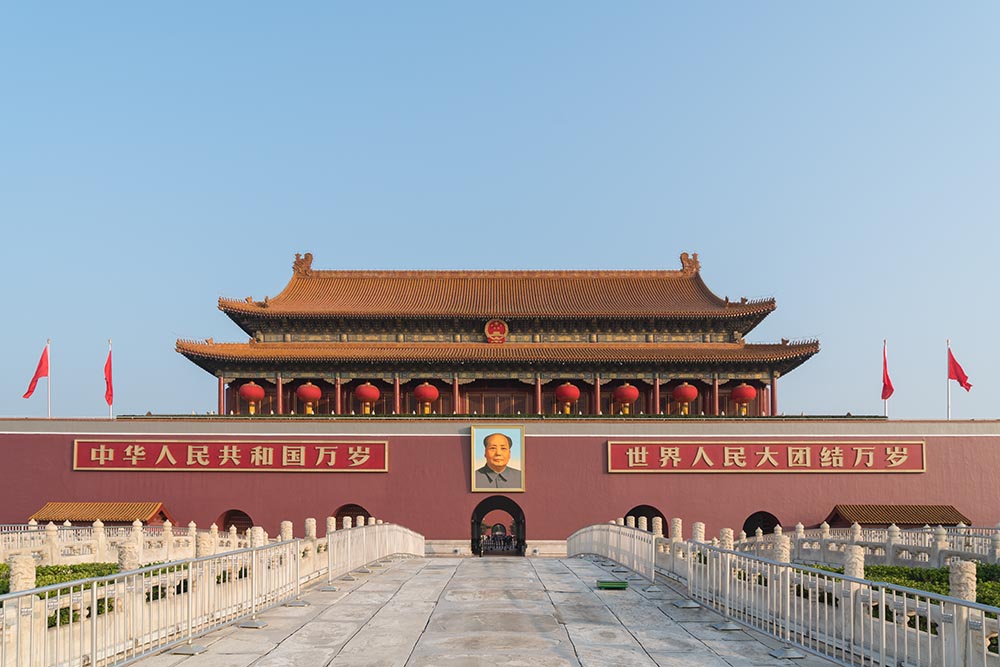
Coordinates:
[303,264]
[690,264]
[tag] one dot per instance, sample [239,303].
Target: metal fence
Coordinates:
[635,549]
[850,621]
[114,620]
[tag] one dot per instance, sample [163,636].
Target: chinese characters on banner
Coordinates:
[312,456]
[782,456]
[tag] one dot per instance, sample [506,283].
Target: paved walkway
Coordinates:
[446,612]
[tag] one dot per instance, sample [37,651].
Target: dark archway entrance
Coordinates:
[237,518]
[517,530]
[359,515]
[763,520]
[650,513]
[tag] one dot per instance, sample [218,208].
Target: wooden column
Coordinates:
[715,396]
[597,395]
[395,393]
[222,395]
[455,397]
[774,392]
[338,405]
[538,395]
[279,387]
[656,394]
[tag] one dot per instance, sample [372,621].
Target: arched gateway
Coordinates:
[504,504]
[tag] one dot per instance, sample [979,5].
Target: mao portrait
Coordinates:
[497,458]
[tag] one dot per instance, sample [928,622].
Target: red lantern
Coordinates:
[626,395]
[425,395]
[566,394]
[309,393]
[742,395]
[684,394]
[252,392]
[367,393]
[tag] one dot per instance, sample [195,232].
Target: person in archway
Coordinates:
[496,474]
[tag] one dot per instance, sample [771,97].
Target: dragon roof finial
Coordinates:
[303,264]
[690,264]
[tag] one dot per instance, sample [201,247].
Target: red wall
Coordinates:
[568,486]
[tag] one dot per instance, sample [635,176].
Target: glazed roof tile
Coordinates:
[917,515]
[507,352]
[92,511]
[503,294]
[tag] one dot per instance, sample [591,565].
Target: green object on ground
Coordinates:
[611,584]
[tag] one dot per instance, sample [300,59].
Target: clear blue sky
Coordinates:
[843,158]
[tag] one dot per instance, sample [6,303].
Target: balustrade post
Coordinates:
[855,533]
[138,539]
[331,524]
[698,531]
[630,521]
[939,546]
[824,542]
[657,526]
[962,585]
[677,528]
[101,541]
[29,628]
[800,536]
[168,540]
[285,531]
[891,540]
[52,551]
[641,524]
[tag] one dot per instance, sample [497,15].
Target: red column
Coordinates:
[222,396]
[395,392]
[455,395]
[715,396]
[337,400]
[281,399]
[538,395]
[774,392]
[597,395]
[656,394]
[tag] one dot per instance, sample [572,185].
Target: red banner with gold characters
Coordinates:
[227,455]
[775,456]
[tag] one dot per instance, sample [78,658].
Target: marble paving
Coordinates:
[514,612]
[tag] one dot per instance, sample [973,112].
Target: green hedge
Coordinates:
[46,575]
[935,580]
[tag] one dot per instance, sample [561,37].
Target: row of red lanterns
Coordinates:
[566,394]
[367,393]
[626,394]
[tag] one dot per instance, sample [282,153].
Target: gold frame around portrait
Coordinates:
[478,459]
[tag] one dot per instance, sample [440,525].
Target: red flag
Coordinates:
[956,373]
[109,391]
[887,388]
[41,372]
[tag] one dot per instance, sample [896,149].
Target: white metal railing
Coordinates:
[114,620]
[635,549]
[849,620]
[348,550]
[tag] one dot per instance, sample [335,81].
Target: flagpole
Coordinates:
[111,410]
[48,379]
[885,401]
[948,380]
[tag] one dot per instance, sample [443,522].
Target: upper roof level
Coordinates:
[662,295]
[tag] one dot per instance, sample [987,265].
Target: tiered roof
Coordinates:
[648,300]
[313,294]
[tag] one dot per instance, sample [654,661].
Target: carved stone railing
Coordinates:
[924,547]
